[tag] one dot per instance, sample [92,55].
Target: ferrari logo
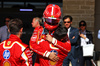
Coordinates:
[8,43]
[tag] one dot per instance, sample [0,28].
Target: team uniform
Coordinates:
[43,48]
[14,53]
[37,34]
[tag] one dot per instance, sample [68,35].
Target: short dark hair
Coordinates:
[68,16]
[15,25]
[82,21]
[60,33]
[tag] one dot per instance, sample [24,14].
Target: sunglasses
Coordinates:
[67,22]
[82,25]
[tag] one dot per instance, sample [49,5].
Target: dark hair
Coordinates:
[67,16]
[60,33]
[82,21]
[15,25]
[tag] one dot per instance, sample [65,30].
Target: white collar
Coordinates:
[69,28]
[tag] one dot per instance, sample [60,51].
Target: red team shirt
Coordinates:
[43,48]
[14,53]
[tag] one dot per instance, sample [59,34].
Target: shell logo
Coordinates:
[6,63]
[52,63]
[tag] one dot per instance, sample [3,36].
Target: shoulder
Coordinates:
[75,29]
[1,43]
[88,32]
[3,28]
[9,44]
[21,44]
[38,28]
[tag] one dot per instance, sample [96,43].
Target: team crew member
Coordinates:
[73,34]
[36,23]
[51,51]
[13,52]
[38,29]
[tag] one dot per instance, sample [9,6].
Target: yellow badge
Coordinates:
[6,63]
[52,63]
[8,43]
[52,16]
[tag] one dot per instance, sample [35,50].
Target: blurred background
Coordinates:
[26,10]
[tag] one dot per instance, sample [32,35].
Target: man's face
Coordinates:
[34,23]
[6,21]
[67,22]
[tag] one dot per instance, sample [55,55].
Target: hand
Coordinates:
[73,37]
[82,35]
[49,38]
[53,56]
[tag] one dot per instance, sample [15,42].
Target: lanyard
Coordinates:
[51,33]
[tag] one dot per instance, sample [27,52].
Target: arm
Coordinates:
[43,50]
[39,49]
[36,45]
[64,46]
[85,38]
[75,37]
[26,58]
[88,37]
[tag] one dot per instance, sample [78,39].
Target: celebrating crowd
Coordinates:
[53,44]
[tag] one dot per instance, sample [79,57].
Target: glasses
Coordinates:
[67,22]
[82,25]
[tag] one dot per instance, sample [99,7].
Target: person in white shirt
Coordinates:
[85,38]
[73,34]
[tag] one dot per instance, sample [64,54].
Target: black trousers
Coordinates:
[34,58]
[84,60]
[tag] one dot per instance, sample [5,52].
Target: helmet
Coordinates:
[52,15]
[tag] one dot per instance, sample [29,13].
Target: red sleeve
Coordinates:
[35,42]
[64,46]
[39,49]
[26,58]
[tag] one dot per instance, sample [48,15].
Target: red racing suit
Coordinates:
[14,53]
[43,48]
